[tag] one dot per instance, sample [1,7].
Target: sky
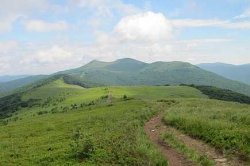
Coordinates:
[45,36]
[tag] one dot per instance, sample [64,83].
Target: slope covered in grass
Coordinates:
[224,125]
[11,86]
[74,125]
[115,133]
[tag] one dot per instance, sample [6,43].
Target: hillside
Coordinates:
[58,123]
[45,133]
[8,87]
[133,72]
[235,72]
[55,89]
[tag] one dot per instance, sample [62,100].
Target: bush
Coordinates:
[10,104]
[221,94]
[125,97]
[82,146]
[42,112]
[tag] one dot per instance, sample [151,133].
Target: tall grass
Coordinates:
[114,132]
[224,125]
[188,152]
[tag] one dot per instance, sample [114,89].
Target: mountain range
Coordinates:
[10,86]
[235,72]
[133,72]
[8,78]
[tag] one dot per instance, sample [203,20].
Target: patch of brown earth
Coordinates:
[153,128]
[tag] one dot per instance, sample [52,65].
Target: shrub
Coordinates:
[221,94]
[82,146]
[42,112]
[125,97]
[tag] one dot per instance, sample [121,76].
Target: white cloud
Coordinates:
[146,36]
[237,25]
[48,55]
[22,6]
[53,55]
[6,23]
[245,14]
[11,10]
[38,58]
[43,26]
[147,26]
[105,8]
[227,24]
[7,46]
[183,23]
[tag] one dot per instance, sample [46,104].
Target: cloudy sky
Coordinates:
[44,36]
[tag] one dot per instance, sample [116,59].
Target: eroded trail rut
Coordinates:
[155,127]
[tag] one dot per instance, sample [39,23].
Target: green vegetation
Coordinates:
[132,72]
[54,123]
[224,125]
[8,87]
[93,134]
[127,72]
[222,94]
[73,125]
[190,153]
[234,72]
[101,135]
[74,81]
[13,103]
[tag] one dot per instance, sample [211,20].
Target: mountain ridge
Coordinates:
[235,72]
[7,78]
[156,73]
[133,72]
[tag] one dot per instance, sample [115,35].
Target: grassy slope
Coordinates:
[8,87]
[223,124]
[55,89]
[132,72]
[39,137]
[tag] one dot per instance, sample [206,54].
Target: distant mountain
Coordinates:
[7,87]
[7,78]
[234,72]
[132,72]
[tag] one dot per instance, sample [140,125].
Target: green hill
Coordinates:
[133,72]
[65,119]
[8,87]
[55,123]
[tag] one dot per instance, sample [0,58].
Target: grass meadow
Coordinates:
[71,125]
[225,125]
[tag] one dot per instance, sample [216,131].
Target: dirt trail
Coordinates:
[154,127]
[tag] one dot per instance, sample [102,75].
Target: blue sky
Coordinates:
[45,36]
